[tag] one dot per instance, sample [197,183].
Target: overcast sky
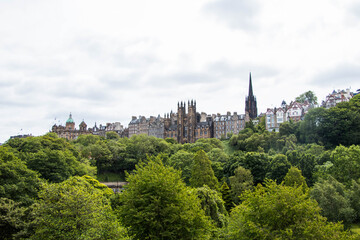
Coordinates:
[105,61]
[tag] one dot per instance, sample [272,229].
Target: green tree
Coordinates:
[339,126]
[240,182]
[213,205]
[294,178]
[280,212]
[112,135]
[17,182]
[257,163]
[55,165]
[183,161]
[226,196]
[74,209]
[346,164]
[308,96]
[333,200]
[354,197]
[202,173]
[100,156]
[278,168]
[157,205]
[13,219]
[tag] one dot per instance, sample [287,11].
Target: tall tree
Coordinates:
[294,178]
[226,196]
[157,205]
[308,96]
[278,168]
[346,164]
[240,182]
[74,209]
[17,182]
[202,173]
[333,200]
[280,212]
[183,161]
[213,205]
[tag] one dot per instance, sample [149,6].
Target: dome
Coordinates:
[70,120]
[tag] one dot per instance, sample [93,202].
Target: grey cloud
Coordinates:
[355,9]
[225,69]
[340,75]
[180,79]
[138,62]
[239,14]
[123,82]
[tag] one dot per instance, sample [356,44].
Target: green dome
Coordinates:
[70,120]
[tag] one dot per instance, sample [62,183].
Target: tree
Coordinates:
[213,205]
[257,163]
[346,164]
[100,156]
[226,196]
[240,182]
[308,96]
[183,161]
[55,165]
[17,182]
[157,205]
[278,168]
[280,212]
[354,197]
[340,126]
[294,178]
[112,135]
[333,200]
[74,209]
[202,173]
[12,219]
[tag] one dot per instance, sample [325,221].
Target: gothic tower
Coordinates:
[191,121]
[181,123]
[250,102]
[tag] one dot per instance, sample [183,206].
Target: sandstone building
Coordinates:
[187,125]
[69,131]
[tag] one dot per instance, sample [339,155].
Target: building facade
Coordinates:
[69,131]
[228,124]
[336,97]
[295,112]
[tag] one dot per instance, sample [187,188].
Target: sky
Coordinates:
[106,61]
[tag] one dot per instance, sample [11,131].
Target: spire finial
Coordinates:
[250,86]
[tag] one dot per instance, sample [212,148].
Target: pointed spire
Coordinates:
[250,86]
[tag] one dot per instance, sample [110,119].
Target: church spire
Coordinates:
[250,86]
[250,101]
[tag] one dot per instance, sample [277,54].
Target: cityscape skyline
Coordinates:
[108,61]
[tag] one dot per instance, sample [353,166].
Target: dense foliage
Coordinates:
[253,185]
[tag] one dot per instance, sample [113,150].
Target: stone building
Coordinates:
[295,111]
[153,126]
[69,131]
[110,127]
[226,124]
[337,97]
[188,126]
